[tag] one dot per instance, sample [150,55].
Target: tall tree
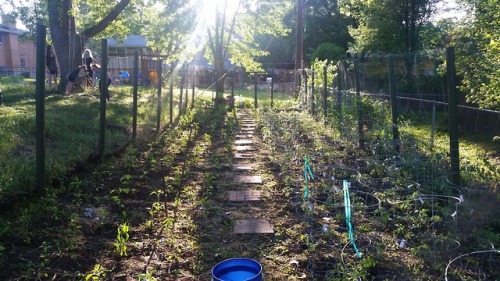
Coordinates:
[388,26]
[324,24]
[68,42]
[478,53]
[72,24]
[232,33]
[168,28]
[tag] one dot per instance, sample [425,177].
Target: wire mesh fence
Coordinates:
[73,124]
[360,106]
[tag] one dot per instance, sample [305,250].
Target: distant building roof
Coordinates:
[132,41]
[8,29]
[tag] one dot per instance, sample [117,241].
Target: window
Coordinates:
[22,63]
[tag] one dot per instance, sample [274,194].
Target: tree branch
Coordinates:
[211,42]
[111,16]
[231,30]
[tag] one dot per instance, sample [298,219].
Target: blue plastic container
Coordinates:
[237,269]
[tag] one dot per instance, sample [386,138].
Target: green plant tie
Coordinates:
[347,204]
[307,173]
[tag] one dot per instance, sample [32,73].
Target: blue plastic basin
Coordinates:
[237,269]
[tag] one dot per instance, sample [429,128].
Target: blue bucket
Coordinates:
[237,269]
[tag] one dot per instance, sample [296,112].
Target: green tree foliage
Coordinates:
[73,23]
[437,36]
[233,31]
[324,24]
[168,27]
[478,52]
[281,48]
[389,26]
[319,67]
[328,51]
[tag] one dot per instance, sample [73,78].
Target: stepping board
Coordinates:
[242,156]
[243,142]
[245,195]
[242,167]
[244,148]
[243,136]
[253,226]
[248,179]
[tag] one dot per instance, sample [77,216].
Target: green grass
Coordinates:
[476,151]
[71,130]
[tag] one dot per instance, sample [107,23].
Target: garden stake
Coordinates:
[307,170]
[347,203]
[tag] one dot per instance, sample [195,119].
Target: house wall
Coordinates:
[16,54]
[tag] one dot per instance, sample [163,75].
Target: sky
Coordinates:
[449,9]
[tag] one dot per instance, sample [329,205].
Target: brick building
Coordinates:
[17,55]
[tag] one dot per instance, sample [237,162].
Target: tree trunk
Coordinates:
[219,75]
[68,44]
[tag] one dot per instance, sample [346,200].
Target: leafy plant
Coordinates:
[98,273]
[122,239]
[148,276]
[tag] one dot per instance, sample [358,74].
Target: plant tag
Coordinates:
[324,174]
[402,243]
[325,228]
[461,198]
[310,207]
[337,189]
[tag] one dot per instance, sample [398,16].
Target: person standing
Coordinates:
[52,67]
[87,60]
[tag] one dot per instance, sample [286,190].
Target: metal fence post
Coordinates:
[232,93]
[325,92]
[306,93]
[313,109]
[181,89]
[158,110]
[134,95]
[433,128]
[358,101]
[103,90]
[186,82]
[255,90]
[272,90]
[339,96]
[40,107]
[193,84]
[394,106]
[453,113]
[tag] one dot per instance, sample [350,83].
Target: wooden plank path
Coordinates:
[246,180]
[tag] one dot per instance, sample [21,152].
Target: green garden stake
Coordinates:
[347,204]
[307,173]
